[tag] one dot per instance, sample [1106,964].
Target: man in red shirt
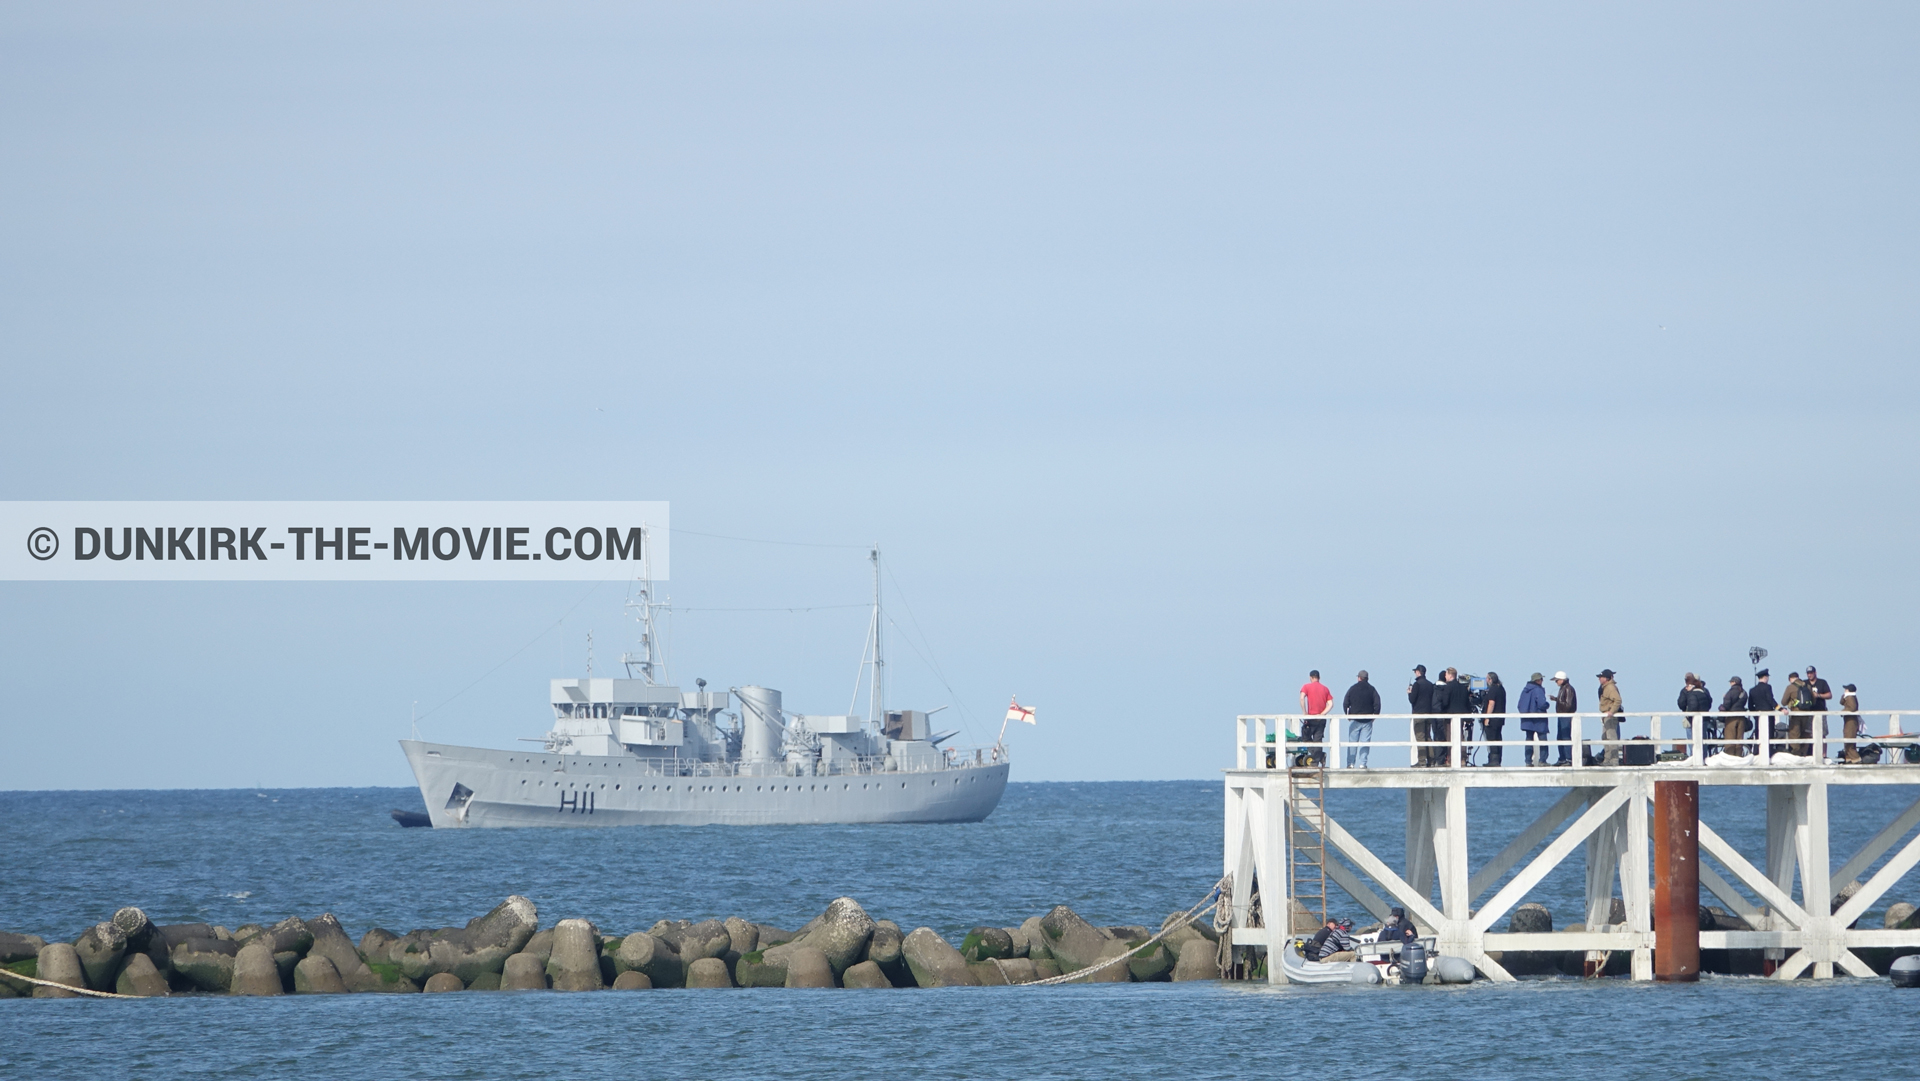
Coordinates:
[1315,701]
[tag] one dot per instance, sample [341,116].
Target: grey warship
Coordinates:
[636,752]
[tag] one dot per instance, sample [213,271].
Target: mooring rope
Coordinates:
[4,974]
[1182,920]
[1223,925]
[1599,969]
[1223,912]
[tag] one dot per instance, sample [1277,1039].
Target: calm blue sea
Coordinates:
[1117,852]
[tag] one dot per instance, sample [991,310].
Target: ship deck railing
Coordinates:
[958,758]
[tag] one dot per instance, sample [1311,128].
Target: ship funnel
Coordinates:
[761,727]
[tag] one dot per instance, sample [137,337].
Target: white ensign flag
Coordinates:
[1018,712]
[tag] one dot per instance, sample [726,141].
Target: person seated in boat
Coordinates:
[1397,927]
[1330,941]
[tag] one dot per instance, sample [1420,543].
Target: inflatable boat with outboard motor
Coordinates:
[1293,961]
[1375,962]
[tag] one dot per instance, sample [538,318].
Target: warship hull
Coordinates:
[472,787]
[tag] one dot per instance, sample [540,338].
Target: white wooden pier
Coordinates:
[1280,821]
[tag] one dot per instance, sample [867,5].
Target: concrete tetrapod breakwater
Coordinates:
[508,950]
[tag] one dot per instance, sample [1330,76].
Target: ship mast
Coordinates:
[649,661]
[876,692]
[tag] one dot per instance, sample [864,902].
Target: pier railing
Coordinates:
[1274,740]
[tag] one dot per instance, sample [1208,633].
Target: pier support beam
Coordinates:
[1603,857]
[1781,860]
[1422,835]
[1676,881]
[1816,871]
[1636,885]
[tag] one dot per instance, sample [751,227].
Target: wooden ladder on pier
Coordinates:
[1307,847]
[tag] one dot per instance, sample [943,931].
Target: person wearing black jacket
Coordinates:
[1695,700]
[1565,701]
[1816,695]
[1703,700]
[1361,706]
[1819,691]
[1330,941]
[1420,703]
[1496,721]
[1397,927]
[1733,729]
[1760,701]
[1459,704]
[1445,706]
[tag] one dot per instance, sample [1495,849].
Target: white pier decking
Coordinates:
[1278,823]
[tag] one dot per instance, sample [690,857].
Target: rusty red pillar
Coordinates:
[1676,881]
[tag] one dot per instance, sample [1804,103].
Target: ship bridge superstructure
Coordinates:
[631,716]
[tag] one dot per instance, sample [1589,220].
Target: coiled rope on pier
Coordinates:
[1185,918]
[1223,924]
[1223,911]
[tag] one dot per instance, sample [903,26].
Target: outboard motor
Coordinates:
[1906,971]
[1413,962]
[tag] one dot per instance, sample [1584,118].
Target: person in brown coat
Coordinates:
[1850,702]
[1610,710]
[1734,728]
[1795,702]
[1565,703]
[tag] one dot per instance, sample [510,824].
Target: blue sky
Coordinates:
[1169,350]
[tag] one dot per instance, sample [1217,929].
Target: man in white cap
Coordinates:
[1565,703]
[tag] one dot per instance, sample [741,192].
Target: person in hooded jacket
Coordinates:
[1695,701]
[1733,728]
[1533,718]
[1397,927]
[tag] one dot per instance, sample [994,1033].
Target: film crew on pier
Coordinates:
[1748,725]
